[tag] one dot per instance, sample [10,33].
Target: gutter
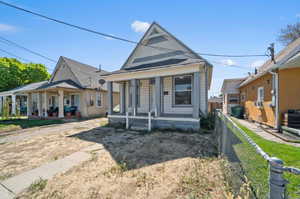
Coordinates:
[276,94]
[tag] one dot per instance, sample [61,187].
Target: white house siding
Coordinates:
[203,92]
[167,99]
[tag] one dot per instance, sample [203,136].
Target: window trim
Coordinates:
[173,92]
[98,94]
[259,97]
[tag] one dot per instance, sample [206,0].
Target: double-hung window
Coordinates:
[260,94]
[98,99]
[182,90]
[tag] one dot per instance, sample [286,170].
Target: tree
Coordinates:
[290,33]
[14,73]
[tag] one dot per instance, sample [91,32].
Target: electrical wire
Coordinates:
[115,37]
[14,55]
[9,42]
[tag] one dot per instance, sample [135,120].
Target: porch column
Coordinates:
[122,97]
[61,104]
[110,97]
[13,104]
[39,104]
[45,105]
[29,104]
[196,95]
[157,96]
[134,96]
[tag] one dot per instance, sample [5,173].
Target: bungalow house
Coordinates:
[74,89]
[231,95]
[275,89]
[163,84]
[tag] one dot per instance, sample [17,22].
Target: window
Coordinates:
[182,90]
[98,99]
[233,99]
[260,94]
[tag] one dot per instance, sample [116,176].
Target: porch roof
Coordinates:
[24,88]
[150,72]
[68,84]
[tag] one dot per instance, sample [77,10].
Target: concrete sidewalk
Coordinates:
[259,131]
[13,186]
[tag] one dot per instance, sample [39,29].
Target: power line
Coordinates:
[19,57]
[16,56]
[232,65]
[6,41]
[112,36]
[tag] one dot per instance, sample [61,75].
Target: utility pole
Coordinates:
[271,49]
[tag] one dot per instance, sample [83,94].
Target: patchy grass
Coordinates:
[37,186]
[289,154]
[137,165]
[16,124]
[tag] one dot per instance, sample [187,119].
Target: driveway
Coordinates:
[34,147]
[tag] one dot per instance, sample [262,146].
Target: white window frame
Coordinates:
[99,97]
[174,91]
[260,94]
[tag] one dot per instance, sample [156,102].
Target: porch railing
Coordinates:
[268,181]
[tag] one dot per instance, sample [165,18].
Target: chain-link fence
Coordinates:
[251,164]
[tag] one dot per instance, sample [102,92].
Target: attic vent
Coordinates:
[157,39]
[154,31]
[159,56]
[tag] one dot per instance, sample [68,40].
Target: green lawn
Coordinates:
[289,154]
[16,124]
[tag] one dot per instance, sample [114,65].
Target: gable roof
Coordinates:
[84,74]
[281,58]
[231,85]
[158,46]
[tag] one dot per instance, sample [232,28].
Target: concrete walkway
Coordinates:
[54,128]
[11,187]
[259,131]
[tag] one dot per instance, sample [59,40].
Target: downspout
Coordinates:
[276,95]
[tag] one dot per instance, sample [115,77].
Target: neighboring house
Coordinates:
[275,89]
[215,103]
[164,78]
[231,95]
[74,89]
[17,99]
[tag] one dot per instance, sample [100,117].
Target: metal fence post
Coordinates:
[149,121]
[127,121]
[276,181]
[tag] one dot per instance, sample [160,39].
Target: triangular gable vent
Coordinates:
[159,48]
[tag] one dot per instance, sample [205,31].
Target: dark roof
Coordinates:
[155,64]
[24,88]
[62,84]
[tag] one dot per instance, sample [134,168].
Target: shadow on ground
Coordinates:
[139,149]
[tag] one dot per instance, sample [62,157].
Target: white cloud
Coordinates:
[228,62]
[298,15]
[140,26]
[257,63]
[6,28]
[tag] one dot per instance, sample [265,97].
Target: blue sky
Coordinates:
[221,27]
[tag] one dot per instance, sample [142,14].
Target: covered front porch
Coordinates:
[175,101]
[54,103]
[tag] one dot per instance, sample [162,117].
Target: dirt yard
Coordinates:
[19,156]
[134,165]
